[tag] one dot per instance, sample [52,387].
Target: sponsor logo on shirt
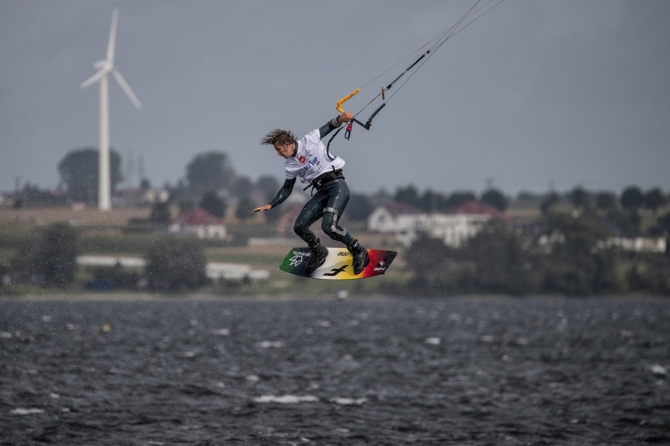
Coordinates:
[302,159]
[311,163]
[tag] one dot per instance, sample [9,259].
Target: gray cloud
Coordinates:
[536,91]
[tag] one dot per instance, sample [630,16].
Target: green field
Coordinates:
[14,240]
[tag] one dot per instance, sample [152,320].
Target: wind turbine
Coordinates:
[104,68]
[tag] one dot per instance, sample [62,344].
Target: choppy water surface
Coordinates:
[458,371]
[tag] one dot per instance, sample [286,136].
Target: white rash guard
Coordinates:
[311,159]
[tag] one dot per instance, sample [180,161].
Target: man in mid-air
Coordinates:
[309,160]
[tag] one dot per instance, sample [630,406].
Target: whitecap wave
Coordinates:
[286,399]
[348,401]
[26,411]
[271,344]
[658,370]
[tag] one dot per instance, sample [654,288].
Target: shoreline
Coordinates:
[206,297]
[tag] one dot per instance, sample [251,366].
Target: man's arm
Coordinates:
[281,196]
[335,123]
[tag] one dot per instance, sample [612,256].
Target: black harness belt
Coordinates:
[324,178]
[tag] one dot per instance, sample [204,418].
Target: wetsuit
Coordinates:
[313,164]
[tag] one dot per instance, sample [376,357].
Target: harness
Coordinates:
[326,177]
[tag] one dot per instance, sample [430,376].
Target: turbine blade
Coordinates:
[93,79]
[112,37]
[126,89]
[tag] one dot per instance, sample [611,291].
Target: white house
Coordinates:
[636,244]
[408,222]
[200,223]
[214,270]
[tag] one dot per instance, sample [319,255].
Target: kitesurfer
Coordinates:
[310,160]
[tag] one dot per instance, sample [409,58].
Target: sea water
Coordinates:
[466,371]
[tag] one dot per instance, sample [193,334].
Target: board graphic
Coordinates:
[338,264]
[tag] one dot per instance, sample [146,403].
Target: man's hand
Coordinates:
[345,117]
[263,208]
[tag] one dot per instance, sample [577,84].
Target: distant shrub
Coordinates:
[175,264]
[4,271]
[160,213]
[245,208]
[494,198]
[120,277]
[55,255]
[213,204]
[21,263]
[359,208]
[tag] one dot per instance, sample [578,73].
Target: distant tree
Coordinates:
[160,213]
[117,274]
[185,206]
[380,197]
[209,171]
[79,172]
[549,201]
[432,201]
[269,186]
[459,198]
[408,195]
[55,256]
[242,187]
[631,198]
[272,216]
[494,198]
[359,207]
[651,278]
[21,264]
[4,272]
[624,223]
[32,194]
[580,198]
[174,264]
[245,208]
[502,261]
[653,199]
[427,259]
[525,195]
[606,200]
[574,267]
[635,222]
[213,204]
[662,227]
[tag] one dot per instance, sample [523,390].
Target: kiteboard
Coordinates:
[338,264]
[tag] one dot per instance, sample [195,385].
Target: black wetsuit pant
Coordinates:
[328,202]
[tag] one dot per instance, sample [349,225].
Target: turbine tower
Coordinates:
[104,68]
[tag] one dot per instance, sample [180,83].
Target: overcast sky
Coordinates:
[535,92]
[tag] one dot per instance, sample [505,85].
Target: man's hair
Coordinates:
[280,136]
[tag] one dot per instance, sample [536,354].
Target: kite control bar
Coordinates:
[338,106]
[368,123]
[366,126]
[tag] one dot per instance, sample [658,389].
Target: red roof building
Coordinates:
[200,223]
[198,216]
[477,208]
[396,208]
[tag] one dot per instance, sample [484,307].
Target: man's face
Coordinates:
[285,150]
